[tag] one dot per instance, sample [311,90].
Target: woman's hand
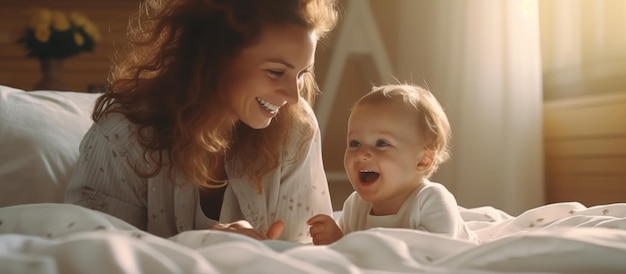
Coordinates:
[244,227]
[324,230]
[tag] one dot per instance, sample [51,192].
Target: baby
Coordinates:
[397,137]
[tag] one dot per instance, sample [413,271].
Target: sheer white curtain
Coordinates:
[482,60]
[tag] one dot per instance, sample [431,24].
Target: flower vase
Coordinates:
[51,75]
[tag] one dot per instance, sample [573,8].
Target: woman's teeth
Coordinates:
[268,106]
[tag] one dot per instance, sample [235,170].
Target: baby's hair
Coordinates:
[434,125]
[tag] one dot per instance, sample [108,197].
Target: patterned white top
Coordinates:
[430,208]
[104,180]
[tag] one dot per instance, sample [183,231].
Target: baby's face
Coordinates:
[383,151]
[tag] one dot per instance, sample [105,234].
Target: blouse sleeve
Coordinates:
[103,180]
[303,190]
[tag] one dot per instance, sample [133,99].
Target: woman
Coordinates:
[208,123]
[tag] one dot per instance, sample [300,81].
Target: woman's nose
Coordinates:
[292,92]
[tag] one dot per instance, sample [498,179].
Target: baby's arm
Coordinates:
[324,230]
[439,213]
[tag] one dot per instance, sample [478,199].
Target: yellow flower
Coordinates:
[92,31]
[60,21]
[78,39]
[51,33]
[42,33]
[39,16]
[78,18]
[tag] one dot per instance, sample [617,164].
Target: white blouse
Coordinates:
[104,180]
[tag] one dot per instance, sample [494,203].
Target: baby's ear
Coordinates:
[428,157]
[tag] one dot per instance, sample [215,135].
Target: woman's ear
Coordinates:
[428,157]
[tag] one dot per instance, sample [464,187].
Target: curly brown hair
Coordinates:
[167,82]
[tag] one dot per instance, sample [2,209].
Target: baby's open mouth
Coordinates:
[367,176]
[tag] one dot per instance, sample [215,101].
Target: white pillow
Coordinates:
[40,132]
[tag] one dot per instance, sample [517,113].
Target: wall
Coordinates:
[79,71]
[584,80]
[585,149]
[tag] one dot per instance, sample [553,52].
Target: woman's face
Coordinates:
[268,74]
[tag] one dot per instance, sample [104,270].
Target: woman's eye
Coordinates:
[382,143]
[353,143]
[275,73]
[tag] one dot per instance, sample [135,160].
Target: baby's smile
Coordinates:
[368,176]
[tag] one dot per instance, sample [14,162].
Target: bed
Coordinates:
[39,136]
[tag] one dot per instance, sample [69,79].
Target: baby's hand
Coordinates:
[324,230]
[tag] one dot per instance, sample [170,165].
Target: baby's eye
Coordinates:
[275,73]
[354,143]
[381,143]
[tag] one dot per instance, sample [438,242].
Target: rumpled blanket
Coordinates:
[555,238]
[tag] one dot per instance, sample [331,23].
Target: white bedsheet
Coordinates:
[557,238]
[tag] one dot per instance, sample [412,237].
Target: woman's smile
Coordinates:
[269,107]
